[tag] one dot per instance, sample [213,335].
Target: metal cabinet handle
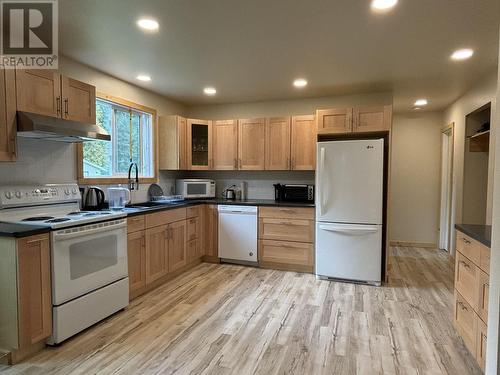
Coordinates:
[462,306]
[235,163]
[58,105]
[66,106]
[465,264]
[466,240]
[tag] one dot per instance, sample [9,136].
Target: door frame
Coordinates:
[446,197]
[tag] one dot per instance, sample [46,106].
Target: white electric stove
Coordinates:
[88,253]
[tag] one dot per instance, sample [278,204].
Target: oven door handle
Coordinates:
[92,229]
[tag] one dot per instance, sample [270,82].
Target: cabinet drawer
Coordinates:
[165,217]
[469,247]
[287,212]
[467,279]
[193,211]
[292,253]
[286,230]
[483,295]
[135,223]
[465,322]
[481,341]
[193,228]
[484,258]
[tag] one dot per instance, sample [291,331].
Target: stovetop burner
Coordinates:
[38,218]
[58,220]
[78,213]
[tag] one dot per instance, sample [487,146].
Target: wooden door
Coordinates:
[156,253]
[210,234]
[225,144]
[136,251]
[78,100]
[8,123]
[277,148]
[303,143]
[334,121]
[199,144]
[39,91]
[172,143]
[176,245]
[368,119]
[251,144]
[34,288]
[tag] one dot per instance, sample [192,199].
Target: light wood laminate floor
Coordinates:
[225,319]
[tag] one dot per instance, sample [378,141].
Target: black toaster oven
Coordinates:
[294,193]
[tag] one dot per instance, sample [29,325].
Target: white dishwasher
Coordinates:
[238,234]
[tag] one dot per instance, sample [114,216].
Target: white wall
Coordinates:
[415,177]
[479,95]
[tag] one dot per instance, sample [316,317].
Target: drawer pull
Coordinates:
[466,240]
[465,264]
[485,338]
[462,306]
[31,242]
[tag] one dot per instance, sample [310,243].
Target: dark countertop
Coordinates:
[481,233]
[21,230]
[25,230]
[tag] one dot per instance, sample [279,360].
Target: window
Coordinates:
[131,133]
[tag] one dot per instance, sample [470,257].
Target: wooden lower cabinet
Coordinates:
[465,322]
[481,341]
[286,229]
[176,245]
[136,249]
[156,253]
[210,234]
[483,295]
[292,255]
[466,279]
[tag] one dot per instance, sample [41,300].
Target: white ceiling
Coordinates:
[251,50]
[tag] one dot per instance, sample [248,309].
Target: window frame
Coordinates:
[154,144]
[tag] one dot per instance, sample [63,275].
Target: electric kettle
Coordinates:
[94,200]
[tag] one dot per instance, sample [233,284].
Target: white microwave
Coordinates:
[195,188]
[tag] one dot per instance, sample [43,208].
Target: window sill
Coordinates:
[113,180]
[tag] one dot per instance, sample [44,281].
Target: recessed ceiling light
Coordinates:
[300,82]
[382,5]
[417,109]
[462,54]
[143,77]
[421,102]
[148,24]
[210,91]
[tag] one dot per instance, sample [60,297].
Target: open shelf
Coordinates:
[480,142]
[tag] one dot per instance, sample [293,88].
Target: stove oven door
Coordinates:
[87,257]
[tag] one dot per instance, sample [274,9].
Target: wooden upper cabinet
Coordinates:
[334,121]
[172,143]
[277,147]
[303,143]
[225,144]
[34,288]
[251,144]
[372,118]
[78,100]
[199,144]
[177,233]
[8,123]
[156,253]
[39,91]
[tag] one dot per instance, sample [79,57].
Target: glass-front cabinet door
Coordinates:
[199,144]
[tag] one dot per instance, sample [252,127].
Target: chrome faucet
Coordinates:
[133,184]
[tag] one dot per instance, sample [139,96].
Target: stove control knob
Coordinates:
[18,194]
[66,191]
[74,191]
[8,194]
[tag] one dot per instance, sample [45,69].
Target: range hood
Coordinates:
[31,125]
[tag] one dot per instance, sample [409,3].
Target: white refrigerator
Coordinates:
[349,205]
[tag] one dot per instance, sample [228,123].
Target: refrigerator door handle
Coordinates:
[320,173]
[350,228]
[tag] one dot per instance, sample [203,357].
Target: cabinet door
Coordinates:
[277,143]
[334,121]
[465,322]
[303,143]
[483,295]
[172,143]
[35,304]
[287,253]
[481,341]
[156,253]
[7,115]
[176,245]
[210,228]
[78,100]
[225,144]
[39,91]
[192,251]
[251,144]
[193,228]
[136,252]
[372,119]
[199,144]
[286,229]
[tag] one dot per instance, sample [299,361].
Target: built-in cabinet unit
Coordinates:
[225,144]
[277,143]
[26,315]
[172,141]
[471,294]
[286,238]
[210,232]
[251,144]
[359,119]
[52,94]
[7,115]
[199,144]
[303,143]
